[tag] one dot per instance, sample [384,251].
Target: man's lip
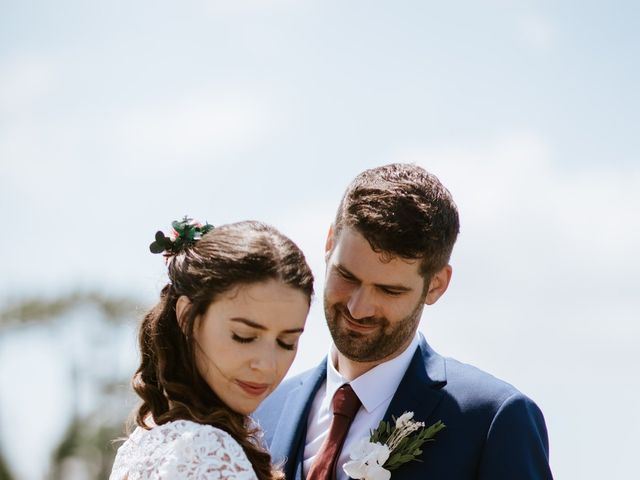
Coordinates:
[253,389]
[359,327]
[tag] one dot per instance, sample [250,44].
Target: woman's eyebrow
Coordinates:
[293,330]
[258,326]
[248,322]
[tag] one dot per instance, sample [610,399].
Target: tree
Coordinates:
[5,474]
[86,450]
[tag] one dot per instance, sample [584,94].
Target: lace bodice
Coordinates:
[181,450]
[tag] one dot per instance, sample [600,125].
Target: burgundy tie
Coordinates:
[345,406]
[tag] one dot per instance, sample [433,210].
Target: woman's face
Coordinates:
[247,340]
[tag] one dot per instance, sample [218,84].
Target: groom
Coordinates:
[387,256]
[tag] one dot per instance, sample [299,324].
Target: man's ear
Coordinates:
[438,285]
[182,307]
[328,246]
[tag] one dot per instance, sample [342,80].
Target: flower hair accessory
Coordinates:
[185,232]
[389,447]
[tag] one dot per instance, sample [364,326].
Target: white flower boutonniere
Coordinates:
[388,447]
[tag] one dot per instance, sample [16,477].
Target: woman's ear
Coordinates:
[182,307]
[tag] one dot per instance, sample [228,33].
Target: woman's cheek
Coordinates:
[285,363]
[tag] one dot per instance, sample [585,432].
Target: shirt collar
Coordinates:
[378,384]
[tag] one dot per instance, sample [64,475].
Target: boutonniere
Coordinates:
[388,447]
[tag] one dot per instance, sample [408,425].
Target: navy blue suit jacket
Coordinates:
[493,432]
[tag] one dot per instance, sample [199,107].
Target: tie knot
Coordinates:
[345,402]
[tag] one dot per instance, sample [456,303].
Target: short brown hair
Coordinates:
[402,210]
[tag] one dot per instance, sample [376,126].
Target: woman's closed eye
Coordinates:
[281,343]
[287,346]
[240,339]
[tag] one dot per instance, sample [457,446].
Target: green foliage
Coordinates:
[38,310]
[88,441]
[409,448]
[382,433]
[89,445]
[5,474]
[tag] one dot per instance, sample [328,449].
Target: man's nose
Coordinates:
[361,303]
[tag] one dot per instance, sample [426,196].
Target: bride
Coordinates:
[221,338]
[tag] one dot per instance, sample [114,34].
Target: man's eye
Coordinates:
[391,293]
[286,346]
[346,276]
[240,339]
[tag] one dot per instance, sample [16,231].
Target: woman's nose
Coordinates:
[264,360]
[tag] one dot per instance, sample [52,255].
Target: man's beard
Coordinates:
[373,346]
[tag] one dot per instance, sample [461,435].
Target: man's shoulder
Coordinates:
[287,386]
[460,379]
[275,402]
[476,388]
[290,399]
[509,425]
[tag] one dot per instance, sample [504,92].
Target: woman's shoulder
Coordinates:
[200,441]
[186,428]
[207,436]
[186,449]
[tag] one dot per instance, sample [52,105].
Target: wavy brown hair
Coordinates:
[167,380]
[402,210]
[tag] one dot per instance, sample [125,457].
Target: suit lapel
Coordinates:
[419,390]
[292,425]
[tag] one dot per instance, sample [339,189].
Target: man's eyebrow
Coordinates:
[258,326]
[397,288]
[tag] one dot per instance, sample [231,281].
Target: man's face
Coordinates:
[372,304]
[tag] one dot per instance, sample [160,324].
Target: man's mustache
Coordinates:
[367,321]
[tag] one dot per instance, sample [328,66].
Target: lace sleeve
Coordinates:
[182,450]
[205,452]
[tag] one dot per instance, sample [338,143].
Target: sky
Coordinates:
[118,117]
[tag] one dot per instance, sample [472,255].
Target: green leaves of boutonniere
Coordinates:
[389,447]
[408,446]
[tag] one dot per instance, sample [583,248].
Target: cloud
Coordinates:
[24,79]
[536,31]
[517,202]
[26,84]
[205,123]
[191,129]
[248,6]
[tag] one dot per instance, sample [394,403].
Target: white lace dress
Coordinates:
[181,450]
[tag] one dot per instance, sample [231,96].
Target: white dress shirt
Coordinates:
[375,389]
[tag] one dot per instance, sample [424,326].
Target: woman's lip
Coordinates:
[253,389]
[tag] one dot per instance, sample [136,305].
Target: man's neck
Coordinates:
[351,369]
